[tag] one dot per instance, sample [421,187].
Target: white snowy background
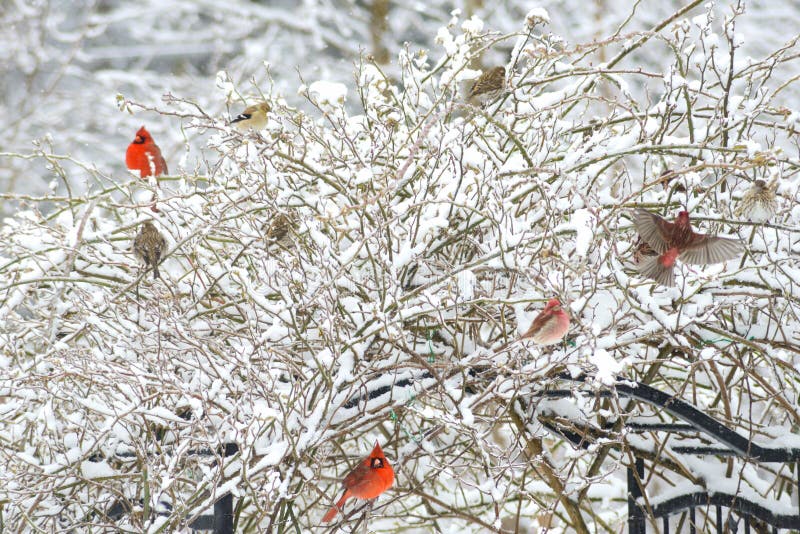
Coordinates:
[375,231]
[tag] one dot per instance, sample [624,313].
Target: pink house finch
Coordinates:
[489,86]
[678,240]
[550,326]
[758,203]
[149,245]
[254,117]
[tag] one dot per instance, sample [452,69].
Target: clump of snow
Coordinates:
[473,25]
[583,222]
[537,15]
[328,95]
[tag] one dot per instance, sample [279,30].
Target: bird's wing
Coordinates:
[367,488]
[355,476]
[653,229]
[160,159]
[711,249]
[537,324]
[364,482]
[242,117]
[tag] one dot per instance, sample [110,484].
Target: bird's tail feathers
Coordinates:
[335,508]
[651,268]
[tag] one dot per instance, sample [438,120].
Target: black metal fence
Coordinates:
[220,522]
[697,421]
[694,420]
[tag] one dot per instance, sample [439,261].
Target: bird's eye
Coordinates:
[377,463]
[139,140]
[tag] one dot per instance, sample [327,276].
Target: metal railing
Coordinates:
[694,420]
[220,522]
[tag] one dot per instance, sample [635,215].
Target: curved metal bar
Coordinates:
[576,439]
[678,408]
[738,504]
[371,394]
[702,422]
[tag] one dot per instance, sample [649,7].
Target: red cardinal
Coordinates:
[678,240]
[550,326]
[143,155]
[369,479]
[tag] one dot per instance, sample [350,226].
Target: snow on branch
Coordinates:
[348,273]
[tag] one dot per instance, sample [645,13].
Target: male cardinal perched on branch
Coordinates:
[143,155]
[369,479]
[254,117]
[672,240]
